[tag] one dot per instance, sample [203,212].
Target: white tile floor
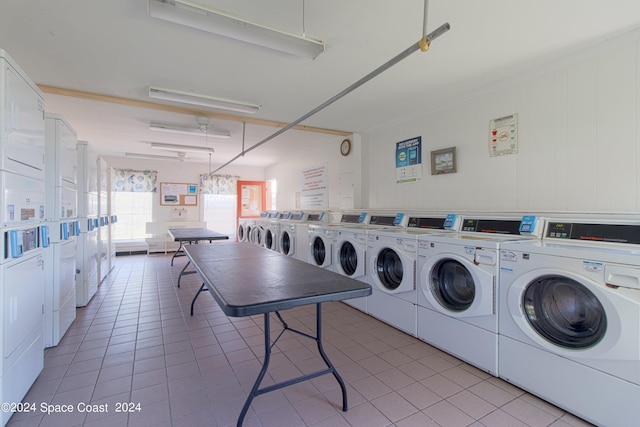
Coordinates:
[135,343]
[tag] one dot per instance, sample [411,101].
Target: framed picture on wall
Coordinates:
[443,161]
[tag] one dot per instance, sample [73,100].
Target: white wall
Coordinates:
[343,172]
[578,142]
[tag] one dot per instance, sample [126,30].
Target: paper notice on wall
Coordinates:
[503,135]
[409,160]
[315,187]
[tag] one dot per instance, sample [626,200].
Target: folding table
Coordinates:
[247,279]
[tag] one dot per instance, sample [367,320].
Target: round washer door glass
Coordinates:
[452,285]
[268,239]
[286,243]
[389,269]
[348,258]
[564,312]
[318,251]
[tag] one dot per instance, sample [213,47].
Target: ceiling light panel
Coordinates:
[224,24]
[182,148]
[154,156]
[202,100]
[187,130]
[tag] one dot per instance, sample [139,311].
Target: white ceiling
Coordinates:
[113,47]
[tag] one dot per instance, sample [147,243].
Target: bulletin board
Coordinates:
[178,194]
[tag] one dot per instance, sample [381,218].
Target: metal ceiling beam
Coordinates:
[422,44]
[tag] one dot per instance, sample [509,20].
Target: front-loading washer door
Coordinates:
[242,237]
[564,312]
[456,287]
[269,239]
[350,259]
[286,244]
[392,272]
[320,252]
[587,320]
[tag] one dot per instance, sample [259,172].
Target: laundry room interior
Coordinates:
[453,184]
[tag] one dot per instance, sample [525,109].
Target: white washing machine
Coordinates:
[570,319]
[256,235]
[303,236]
[320,235]
[350,248]
[393,254]
[457,287]
[272,231]
[21,321]
[244,228]
[287,238]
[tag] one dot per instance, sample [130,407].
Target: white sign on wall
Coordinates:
[503,135]
[315,188]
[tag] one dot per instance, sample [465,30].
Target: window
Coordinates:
[272,191]
[134,210]
[219,202]
[220,213]
[133,202]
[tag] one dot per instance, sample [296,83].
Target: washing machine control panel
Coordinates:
[605,233]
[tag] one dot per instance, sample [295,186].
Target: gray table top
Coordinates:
[193,234]
[247,279]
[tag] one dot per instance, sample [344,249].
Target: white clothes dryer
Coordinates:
[569,326]
[457,309]
[21,320]
[392,257]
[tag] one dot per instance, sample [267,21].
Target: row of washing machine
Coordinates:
[552,306]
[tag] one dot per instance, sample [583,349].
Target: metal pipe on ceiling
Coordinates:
[423,44]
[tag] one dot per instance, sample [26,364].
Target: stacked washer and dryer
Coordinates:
[569,322]
[457,282]
[392,258]
[88,256]
[22,275]
[61,211]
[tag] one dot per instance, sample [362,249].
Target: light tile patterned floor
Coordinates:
[136,343]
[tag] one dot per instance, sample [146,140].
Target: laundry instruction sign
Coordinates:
[409,160]
[315,187]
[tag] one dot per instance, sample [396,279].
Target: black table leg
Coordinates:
[176,253]
[193,302]
[268,345]
[182,272]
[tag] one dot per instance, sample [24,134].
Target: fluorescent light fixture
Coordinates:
[181,148]
[202,100]
[180,156]
[187,130]
[215,21]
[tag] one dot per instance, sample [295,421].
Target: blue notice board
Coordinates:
[409,160]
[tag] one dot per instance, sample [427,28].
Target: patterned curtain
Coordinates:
[218,184]
[134,181]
